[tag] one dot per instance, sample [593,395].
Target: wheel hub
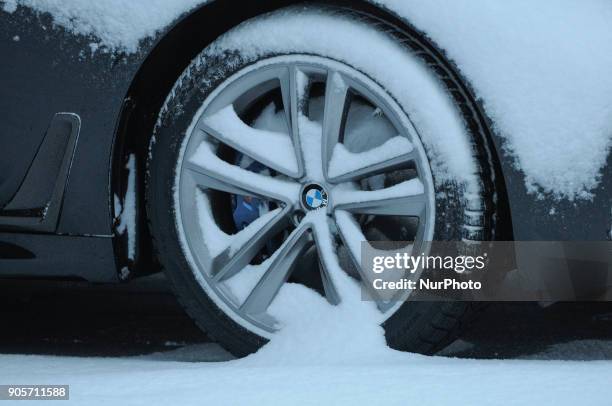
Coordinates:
[317,153]
[313,197]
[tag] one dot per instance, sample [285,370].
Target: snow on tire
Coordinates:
[293,64]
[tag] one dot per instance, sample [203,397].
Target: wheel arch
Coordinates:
[166,59]
[172,53]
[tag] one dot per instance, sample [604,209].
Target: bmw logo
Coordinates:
[314,197]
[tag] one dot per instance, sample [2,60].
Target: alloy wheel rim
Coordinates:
[326,221]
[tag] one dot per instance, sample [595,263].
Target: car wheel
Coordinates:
[258,142]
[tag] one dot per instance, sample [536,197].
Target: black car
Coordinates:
[236,162]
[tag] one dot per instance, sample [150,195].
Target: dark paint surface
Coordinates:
[49,70]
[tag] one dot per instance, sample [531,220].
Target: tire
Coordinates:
[462,212]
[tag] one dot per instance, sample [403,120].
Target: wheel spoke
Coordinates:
[275,150]
[334,278]
[211,172]
[294,87]
[404,199]
[396,153]
[334,117]
[413,206]
[331,293]
[278,272]
[352,236]
[236,258]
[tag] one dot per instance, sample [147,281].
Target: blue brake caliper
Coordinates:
[247,208]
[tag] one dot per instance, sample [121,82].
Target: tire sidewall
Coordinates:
[205,74]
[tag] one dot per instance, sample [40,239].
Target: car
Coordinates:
[251,144]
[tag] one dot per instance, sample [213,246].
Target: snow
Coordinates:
[422,96]
[342,196]
[542,71]
[326,356]
[215,239]
[323,355]
[539,69]
[243,283]
[311,132]
[351,231]
[218,241]
[127,212]
[274,187]
[116,24]
[271,120]
[337,354]
[394,379]
[9,6]
[328,256]
[344,161]
[246,234]
[226,126]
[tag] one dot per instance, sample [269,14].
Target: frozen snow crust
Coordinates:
[118,24]
[541,70]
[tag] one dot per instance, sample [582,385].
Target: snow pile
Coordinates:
[542,70]
[117,24]
[314,333]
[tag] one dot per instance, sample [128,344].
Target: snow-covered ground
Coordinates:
[295,372]
[396,379]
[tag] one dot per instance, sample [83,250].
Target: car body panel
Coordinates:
[46,70]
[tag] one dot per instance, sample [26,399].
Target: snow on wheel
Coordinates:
[281,148]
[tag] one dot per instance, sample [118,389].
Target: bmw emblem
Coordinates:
[313,197]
